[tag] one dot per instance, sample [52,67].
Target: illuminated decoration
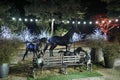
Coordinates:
[116,20]
[20,19]
[73,22]
[96,35]
[68,22]
[26,19]
[31,20]
[84,22]
[13,18]
[90,22]
[78,22]
[36,20]
[97,21]
[5,32]
[110,21]
[77,37]
[105,24]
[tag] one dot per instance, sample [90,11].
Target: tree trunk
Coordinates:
[52,26]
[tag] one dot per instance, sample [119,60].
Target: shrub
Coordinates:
[8,48]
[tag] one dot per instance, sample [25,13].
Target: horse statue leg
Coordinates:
[26,52]
[68,47]
[45,48]
[51,49]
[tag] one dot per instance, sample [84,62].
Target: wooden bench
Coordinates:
[61,62]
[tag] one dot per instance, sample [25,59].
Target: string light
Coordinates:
[84,22]
[116,20]
[96,22]
[68,22]
[20,19]
[110,21]
[90,22]
[103,21]
[73,22]
[36,20]
[26,19]
[13,18]
[31,20]
[63,21]
[78,22]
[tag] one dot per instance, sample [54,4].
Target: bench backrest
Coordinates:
[60,60]
[52,60]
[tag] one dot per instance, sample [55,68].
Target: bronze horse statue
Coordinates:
[34,47]
[65,40]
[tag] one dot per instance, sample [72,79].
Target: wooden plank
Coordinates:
[72,64]
[53,60]
[71,57]
[49,62]
[53,63]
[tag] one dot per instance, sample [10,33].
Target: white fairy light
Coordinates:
[20,19]
[110,21]
[116,20]
[26,19]
[103,21]
[36,20]
[13,18]
[84,22]
[73,22]
[96,22]
[31,20]
[68,22]
[90,22]
[78,22]
[65,21]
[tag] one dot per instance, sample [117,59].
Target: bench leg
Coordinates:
[63,70]
[41,69]
[34,74]
[89,66]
